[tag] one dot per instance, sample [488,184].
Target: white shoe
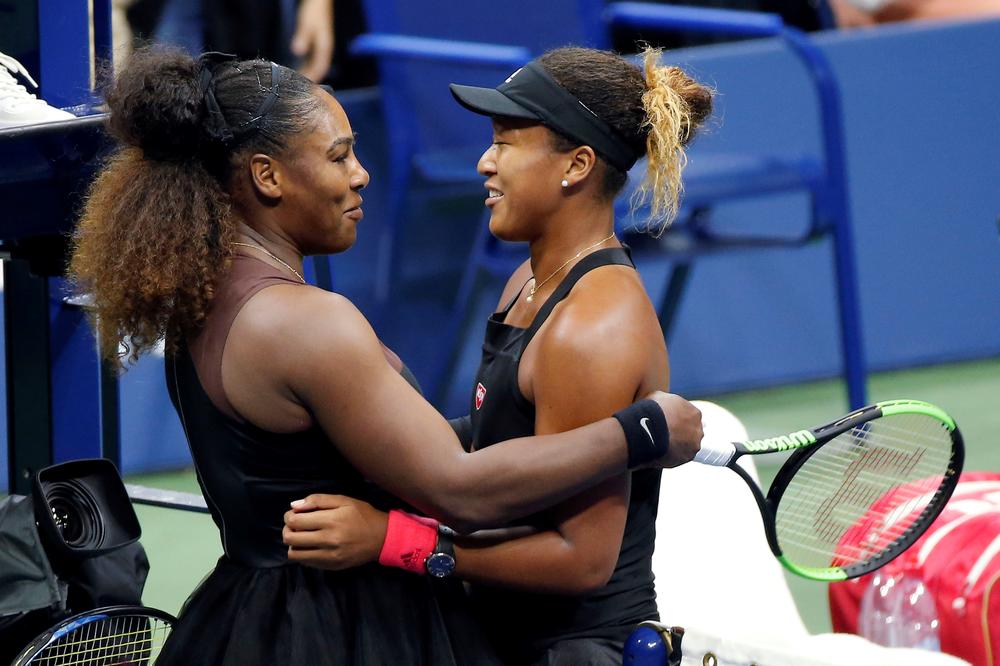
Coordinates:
[18,106]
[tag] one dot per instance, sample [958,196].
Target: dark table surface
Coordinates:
[44,174]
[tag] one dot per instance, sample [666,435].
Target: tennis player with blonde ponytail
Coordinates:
[574,339]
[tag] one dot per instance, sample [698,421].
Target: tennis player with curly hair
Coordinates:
[228,173]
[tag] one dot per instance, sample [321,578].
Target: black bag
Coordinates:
[31,597]
[40,585]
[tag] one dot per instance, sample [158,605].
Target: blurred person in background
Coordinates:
[312,36]
[855,13]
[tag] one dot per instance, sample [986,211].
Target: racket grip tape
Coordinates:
[646,433]
[715,453]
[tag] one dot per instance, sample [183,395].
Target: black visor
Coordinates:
[531,93]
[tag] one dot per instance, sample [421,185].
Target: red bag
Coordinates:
[958,559]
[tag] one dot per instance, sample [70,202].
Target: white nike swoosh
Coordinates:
[645,426]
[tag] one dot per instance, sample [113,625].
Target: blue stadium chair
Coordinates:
[436,144]
[432,153]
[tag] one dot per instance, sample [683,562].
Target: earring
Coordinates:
[564,183]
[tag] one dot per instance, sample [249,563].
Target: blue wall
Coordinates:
[924,166]
[924,158]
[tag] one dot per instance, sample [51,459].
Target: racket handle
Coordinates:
[715,453]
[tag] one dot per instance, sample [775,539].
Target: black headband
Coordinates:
[531,93]
[216,126]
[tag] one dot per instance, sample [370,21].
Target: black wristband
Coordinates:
[646,432]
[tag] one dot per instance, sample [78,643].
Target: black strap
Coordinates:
[612,256]
[215,126]
[509,305]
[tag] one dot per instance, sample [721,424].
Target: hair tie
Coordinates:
[216,128]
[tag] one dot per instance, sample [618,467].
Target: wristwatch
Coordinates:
[441,562]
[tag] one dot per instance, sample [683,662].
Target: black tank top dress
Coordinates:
[548,629]
[257,609]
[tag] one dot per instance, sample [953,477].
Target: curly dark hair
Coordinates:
[656,109]
[155,232]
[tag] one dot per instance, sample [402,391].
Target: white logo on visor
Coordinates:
[513,75]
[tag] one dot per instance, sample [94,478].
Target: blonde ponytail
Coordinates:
[675,106]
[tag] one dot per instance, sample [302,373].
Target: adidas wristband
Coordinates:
[646,432]
[409,539]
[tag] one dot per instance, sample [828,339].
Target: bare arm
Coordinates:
[313,40]
[577,556]
[570,385]
[384,428]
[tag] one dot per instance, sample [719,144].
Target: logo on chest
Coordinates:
[480,395]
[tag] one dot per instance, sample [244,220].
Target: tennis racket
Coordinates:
[112,636]
[855,493]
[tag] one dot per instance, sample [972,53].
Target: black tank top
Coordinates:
[249,475]
[258,608]
[524,623]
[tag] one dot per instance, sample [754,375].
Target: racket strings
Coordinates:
[863,491]
[112,641]
[858,492]
[841,507]
[866,545]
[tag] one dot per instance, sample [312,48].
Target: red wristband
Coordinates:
[409,539]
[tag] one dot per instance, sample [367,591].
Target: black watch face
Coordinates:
[440,565]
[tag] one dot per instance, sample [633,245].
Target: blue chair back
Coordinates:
[537,25]
[418,103]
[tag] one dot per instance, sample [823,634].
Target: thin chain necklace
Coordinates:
[538,285]
[264,250]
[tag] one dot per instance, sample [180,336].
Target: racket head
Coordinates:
[870,486]
[130,635]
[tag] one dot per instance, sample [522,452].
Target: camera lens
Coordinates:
[76,514]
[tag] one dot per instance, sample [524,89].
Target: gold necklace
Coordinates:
[538,285]
[264,250]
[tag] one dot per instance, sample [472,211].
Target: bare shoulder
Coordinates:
[289,344]
[296,322]
[607,307]
[599,349]
[606,327]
